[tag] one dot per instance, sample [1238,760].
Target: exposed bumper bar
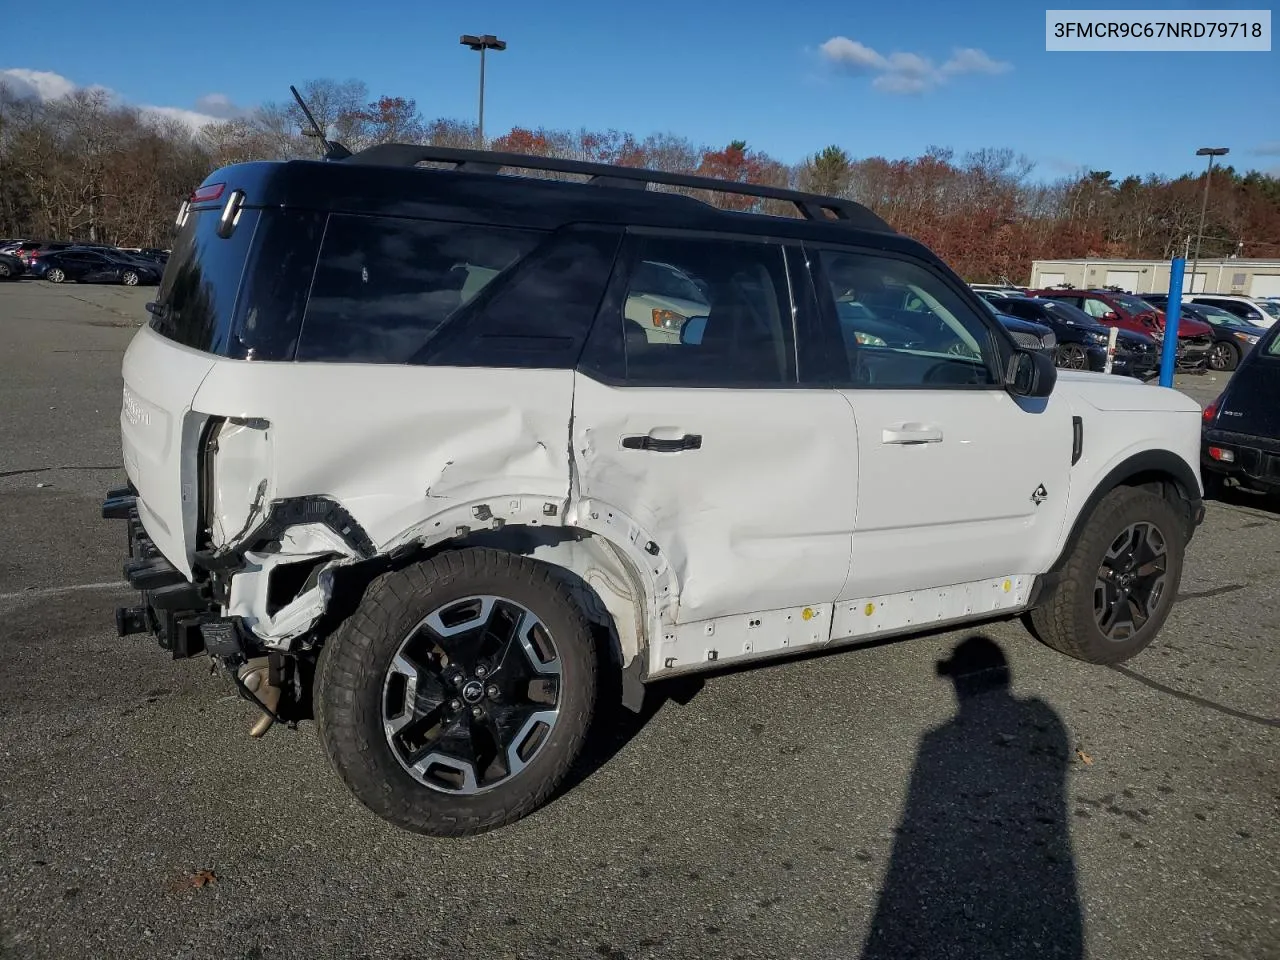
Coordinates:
[173,609]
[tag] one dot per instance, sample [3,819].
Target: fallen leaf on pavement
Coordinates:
[201,878]
[1084,757]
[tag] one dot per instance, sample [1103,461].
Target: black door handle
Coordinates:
[690,441]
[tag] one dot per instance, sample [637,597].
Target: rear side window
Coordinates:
[703,313]
[384,287]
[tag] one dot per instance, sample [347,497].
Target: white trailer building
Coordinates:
[1248,278]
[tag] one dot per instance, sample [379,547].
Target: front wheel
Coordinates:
[129,278]
[458,695]
[1223,356]
[1120,580]
[1072,356]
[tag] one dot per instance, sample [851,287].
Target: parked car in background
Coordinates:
[1082,342]
[1233,337]
[93,266]
[1128,312]
[1256,312]
[31,250]
[1240,432]
[1026,333]
[11,268]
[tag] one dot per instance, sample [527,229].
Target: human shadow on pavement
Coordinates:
[981,864]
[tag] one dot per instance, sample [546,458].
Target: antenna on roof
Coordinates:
[332,151]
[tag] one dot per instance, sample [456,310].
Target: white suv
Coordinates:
[405,456]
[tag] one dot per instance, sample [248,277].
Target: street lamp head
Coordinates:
[485,42]
[1212,152]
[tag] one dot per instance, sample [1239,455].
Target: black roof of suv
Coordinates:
[257,239]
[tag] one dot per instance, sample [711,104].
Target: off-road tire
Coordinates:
[351,671]
[1065,618]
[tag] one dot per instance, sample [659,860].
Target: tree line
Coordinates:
[83,168]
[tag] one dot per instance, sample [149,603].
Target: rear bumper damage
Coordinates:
[247,608]
[172,608]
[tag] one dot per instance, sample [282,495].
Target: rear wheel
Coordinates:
[458,695]
[5,272]
[1120,580]
[1223,356]
[55,275]
[1072,356]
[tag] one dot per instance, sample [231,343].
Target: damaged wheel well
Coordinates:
[604,583]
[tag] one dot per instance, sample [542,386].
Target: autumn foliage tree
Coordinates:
[85,168]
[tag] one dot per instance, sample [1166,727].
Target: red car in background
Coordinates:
[1128,312]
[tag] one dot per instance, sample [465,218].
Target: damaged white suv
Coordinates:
[437,455]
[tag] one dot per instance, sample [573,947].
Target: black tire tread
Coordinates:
[350,652]
[1057,622]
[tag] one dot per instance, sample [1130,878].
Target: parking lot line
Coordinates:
[56,591]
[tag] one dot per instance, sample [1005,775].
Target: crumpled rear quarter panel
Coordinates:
[396,444]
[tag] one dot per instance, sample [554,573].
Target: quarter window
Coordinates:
[384,287]
[902,326]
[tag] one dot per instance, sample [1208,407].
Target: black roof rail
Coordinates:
[812,206]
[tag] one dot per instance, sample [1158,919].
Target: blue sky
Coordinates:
[756,71]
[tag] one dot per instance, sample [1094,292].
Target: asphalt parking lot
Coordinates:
[778,812]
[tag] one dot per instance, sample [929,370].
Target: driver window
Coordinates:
[1096,308]
[902,326]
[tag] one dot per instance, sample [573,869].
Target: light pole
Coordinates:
[1209,152]
[483,43]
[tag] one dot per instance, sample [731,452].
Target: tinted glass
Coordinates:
[541,314]
[197,295]
[1067,312]
[903,326]
[273,292]
[383,287]
[706,313]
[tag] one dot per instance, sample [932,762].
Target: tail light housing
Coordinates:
[1211,412]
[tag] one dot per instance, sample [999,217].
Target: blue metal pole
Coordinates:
[1172,312]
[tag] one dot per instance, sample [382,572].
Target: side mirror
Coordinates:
[1149,322]
[1111,315]
[692,331]
[1030,374]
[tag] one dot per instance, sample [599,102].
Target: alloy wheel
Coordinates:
[471,695]
[1130,583]
[1071,356]
[55,276]
[1221,356]
[130,279]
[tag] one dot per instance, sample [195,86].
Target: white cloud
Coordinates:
[36,83]
[218,105]
[907,73]
[971,60]
[45,86]
[852,55]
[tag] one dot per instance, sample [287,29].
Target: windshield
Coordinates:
[1068,312]
[1133,304]
[1269,308]
[1216,315]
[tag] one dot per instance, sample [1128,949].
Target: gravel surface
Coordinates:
[784,811]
